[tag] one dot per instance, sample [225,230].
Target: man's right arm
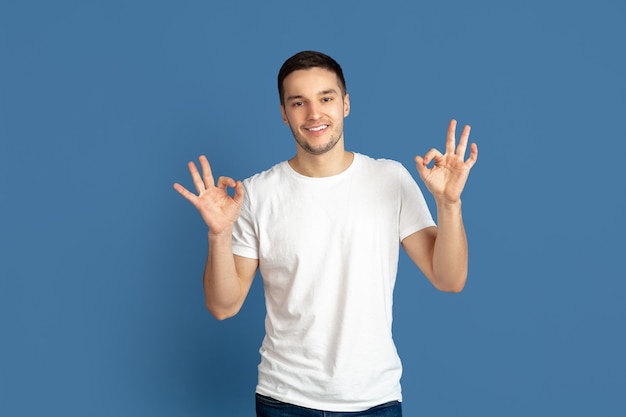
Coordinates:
[227,277]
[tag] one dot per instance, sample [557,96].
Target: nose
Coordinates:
[314,111]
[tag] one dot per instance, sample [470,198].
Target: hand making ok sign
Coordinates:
[447,177]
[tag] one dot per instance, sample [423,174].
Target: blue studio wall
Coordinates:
[103,103]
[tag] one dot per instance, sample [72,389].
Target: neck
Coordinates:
[325,165]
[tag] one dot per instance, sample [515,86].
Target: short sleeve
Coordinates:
[245,240]
[414,212]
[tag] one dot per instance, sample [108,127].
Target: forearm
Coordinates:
[450,256]
[222,287]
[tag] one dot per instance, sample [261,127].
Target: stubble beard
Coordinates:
[321,149]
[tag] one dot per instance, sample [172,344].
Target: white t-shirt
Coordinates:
[328,254]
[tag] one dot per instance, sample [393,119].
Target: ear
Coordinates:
[284,115]
[346,105]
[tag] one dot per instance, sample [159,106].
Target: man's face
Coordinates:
[314,109]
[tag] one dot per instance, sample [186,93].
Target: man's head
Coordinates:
[314,101]
[306,60]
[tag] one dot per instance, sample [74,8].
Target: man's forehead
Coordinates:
[314,81]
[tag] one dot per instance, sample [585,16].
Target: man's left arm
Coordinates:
[441,252]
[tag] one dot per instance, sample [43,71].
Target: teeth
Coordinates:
[317,129]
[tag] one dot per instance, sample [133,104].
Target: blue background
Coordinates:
[102,103]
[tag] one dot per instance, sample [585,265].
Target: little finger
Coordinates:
[473,155]
[186,193]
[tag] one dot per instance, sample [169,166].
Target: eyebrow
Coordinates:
[321,93]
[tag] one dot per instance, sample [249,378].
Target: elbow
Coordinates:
[455,289]
[221,313]
[220,316]
[451,285]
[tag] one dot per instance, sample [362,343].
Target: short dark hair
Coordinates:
[306,60]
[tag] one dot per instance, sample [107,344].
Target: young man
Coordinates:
[325,228]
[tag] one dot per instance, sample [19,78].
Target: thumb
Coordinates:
[239,192]
[421,167]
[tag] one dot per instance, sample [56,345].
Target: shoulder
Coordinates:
[267,177]
[380,166]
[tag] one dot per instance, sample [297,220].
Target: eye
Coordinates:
[298,103]
[327,99]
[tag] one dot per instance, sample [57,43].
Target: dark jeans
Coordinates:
[269,407]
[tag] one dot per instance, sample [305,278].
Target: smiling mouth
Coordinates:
[317,128]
